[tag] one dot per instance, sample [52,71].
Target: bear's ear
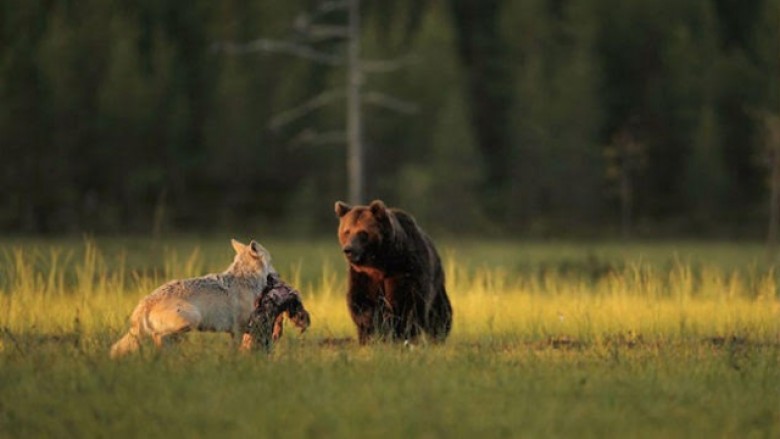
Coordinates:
[378,208]
[237,246]
[342,208]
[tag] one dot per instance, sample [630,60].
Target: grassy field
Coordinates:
[549,340]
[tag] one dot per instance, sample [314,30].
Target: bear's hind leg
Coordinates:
[439,321]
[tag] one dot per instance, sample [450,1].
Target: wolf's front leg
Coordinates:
[246,343]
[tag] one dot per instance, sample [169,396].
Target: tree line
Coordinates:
[538,117]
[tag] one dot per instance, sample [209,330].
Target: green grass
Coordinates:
[550,340]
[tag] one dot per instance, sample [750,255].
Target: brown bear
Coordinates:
[396,282]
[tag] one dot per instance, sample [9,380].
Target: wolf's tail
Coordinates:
[130,342]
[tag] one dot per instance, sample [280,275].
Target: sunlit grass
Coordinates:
[548,340]
[51,290]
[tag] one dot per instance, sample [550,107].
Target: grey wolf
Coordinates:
[219,302]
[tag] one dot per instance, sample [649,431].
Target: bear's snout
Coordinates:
[353,253]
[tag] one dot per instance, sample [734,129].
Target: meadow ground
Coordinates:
[549,340]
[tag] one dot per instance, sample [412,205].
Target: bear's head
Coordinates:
[363,231]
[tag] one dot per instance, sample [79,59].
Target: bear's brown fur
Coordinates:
[396,282]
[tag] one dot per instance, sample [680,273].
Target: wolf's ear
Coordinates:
[342,208]
[258,251]
[255,248]
[237,246]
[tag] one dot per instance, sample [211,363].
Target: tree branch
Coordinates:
[305,108]
[313,137]
[386,66]
[304,20]
[322,32]
[390,102]
[276,46]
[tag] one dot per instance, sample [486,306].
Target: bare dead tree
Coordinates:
[307,28]
[355,152]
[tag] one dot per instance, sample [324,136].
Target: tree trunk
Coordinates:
[355,152]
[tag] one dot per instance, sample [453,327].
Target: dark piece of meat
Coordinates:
[277,299]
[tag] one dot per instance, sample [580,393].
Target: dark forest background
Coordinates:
[534,118]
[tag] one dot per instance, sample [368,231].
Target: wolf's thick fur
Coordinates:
[216,302]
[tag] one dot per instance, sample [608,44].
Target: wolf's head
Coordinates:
[251,260]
